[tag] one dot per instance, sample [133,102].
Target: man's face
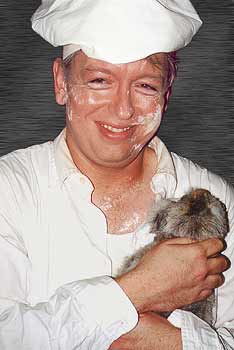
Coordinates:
[112,110]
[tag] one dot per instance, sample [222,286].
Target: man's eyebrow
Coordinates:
[97,69]
[157,77]
[159,65]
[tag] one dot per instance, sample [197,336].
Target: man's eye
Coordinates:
[97,81]
[148,87]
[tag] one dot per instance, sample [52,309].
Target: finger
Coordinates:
[204,294]
[214,281]
[180,240]
[218,264]
[212,246]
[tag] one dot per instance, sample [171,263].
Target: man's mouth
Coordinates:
[116,133]
[114,129]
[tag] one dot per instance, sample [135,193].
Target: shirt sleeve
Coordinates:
[87,314]
[198,335]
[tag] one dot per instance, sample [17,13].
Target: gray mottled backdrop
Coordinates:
[199,123]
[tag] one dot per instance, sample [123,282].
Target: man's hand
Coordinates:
[175,273]
[152,332]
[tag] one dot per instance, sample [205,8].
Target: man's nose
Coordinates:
[122,105]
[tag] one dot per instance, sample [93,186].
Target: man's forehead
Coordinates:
[152,63]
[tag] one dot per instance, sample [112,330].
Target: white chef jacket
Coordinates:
[57,258]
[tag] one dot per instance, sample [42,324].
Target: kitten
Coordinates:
[198,215]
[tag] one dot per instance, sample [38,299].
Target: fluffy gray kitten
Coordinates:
[199,215]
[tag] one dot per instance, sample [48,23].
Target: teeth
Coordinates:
[114,129]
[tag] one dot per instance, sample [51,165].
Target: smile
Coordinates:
[112,129]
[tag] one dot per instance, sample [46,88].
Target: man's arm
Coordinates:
[156,333]
[81,315]
[152,332]
[84,314]
[88,314]
[205,273]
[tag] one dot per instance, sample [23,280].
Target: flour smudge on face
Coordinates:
[150,124]
[151,121]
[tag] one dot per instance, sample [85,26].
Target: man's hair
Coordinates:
[172,66]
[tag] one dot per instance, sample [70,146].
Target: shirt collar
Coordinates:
[163,183]
[165,180]
[63,159]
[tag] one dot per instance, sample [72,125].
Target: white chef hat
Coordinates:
[117,31]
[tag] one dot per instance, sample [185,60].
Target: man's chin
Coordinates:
[118,160]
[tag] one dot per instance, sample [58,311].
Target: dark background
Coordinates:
[199,123]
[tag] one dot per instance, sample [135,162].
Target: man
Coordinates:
[73,209]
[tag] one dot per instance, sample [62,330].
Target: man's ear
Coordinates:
[60,87]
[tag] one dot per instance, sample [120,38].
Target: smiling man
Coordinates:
[112,113]
[73,209]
